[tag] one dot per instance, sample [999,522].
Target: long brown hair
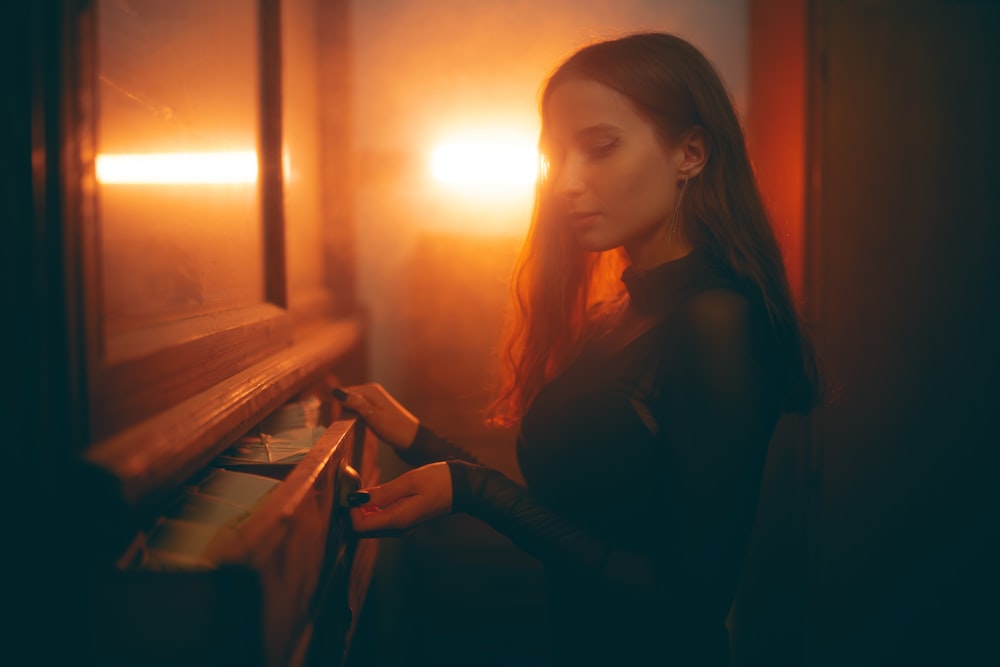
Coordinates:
[556,284]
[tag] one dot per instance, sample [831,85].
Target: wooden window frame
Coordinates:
[169,400]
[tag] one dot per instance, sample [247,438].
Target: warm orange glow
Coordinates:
[483,179]
[486,164]
[178,168]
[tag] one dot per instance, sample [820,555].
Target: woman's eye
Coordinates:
[602,149]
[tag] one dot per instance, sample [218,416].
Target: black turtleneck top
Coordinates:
[642,462]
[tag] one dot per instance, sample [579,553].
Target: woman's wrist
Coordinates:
[461,487]
[419,438]
[428,447]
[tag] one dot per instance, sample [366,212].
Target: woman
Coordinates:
[654,348]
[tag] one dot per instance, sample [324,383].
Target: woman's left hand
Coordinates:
[414,497]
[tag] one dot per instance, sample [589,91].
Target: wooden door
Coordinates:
[903,275]
[898,223]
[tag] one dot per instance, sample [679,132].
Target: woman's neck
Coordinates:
[649,255]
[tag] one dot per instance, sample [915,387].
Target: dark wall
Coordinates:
[904,275]
[39,381]
[898,224]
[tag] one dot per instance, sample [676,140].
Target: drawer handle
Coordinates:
[348,481]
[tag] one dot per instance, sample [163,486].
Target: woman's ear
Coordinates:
[695,146]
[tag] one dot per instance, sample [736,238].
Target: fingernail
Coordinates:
[339,394]
[358,498]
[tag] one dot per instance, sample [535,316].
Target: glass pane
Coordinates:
[301,149]
[177,138]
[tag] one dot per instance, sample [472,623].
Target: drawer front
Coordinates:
[288,568]
[297,540]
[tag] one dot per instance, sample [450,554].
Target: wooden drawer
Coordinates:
[289,566]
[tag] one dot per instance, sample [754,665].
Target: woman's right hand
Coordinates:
[383,414]
[414,497]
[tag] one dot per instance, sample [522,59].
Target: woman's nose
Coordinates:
[569,181]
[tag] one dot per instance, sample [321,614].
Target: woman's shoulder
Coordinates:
[717,305]
[722,315]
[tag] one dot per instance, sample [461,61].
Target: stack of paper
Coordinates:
[208,513]
[284,447]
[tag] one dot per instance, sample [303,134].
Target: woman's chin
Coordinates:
[594,242]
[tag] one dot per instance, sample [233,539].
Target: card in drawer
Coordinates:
[199,508]
[241,488]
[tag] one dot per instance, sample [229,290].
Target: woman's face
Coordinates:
[617,179]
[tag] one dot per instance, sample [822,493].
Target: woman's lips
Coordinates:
[581,219]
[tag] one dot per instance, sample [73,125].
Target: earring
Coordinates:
[677,208]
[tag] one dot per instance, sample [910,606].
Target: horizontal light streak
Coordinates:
[207,168]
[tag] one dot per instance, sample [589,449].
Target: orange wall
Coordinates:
[778,147]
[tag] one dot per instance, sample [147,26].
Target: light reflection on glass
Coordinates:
[178,168]
[178,207]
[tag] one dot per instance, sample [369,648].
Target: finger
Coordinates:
[362,522]
[358,498]
[396,517]
[367,391]
[385,494]
[352,399]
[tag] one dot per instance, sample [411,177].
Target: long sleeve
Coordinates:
[510,508]
[716,417]
[428,447]
[720,426]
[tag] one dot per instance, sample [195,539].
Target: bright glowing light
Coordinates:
[178,168]
[484,178]
[485,163]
